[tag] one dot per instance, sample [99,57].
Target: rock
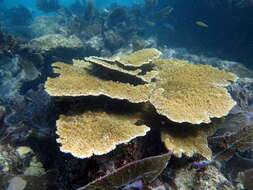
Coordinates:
[210,178]
[24,150]
[28,182]
[117,16]
[11,77]
[246,178]
[242,93]
[161,187]
[54,41]
[29,115]
[59,46]
[46,25]
[139,43]
[8,159]
[94,45]
[2,112]
[35,167]
[16,183]
[231,66]
[113,40]
[239,69]
[16,160]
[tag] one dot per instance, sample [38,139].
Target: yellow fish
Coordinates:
[200,23]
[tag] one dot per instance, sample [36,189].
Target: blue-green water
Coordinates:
[99,4]
[41,42]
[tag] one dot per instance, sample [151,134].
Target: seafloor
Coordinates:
[117,98]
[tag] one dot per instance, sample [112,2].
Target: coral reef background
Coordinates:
[69,68]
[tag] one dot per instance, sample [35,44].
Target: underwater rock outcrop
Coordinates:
[11,77]
[17,16]
[230,66]
[47,5]
[47,25]
[242,92]
[20,160]
[28,182]
[246,178]
[211,178]
[180,91]
[51,46]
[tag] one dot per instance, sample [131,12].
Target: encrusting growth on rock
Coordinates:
[88,133]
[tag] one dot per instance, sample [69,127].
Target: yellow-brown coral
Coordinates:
[88,133]
[139,58]
[74,80]
[181,92]
[191,93]
[113,64]
[187,140]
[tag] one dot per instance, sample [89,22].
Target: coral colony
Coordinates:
[194,97]
[182,92]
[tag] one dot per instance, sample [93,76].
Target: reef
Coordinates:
[99,132]
[210,178]
[19,64]
[75,81]
[231,66]
[47,5]
[23,169]
[103,98]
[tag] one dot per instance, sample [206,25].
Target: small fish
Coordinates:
[106,10]
[201,165]
[136,185]
[164,13]
[200,23]
[169,27]
[149,23]
[31,72]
